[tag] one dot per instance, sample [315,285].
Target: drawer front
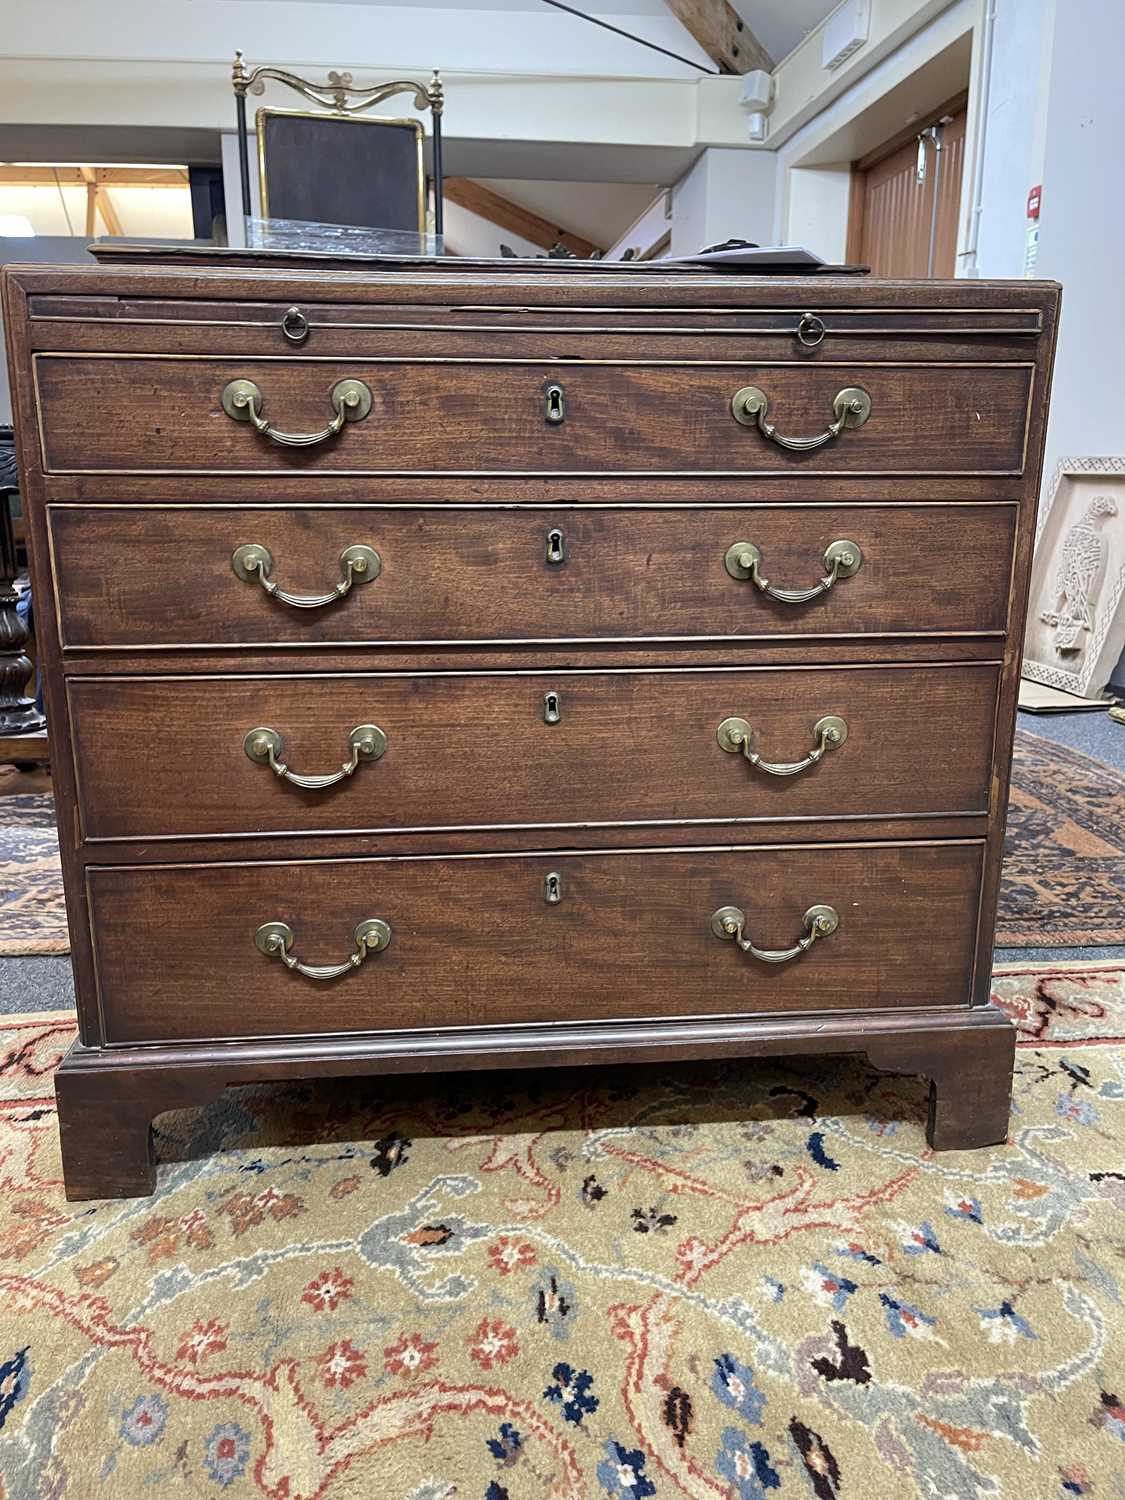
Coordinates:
[143,576]
[169,757]
[475,416]
[473,942]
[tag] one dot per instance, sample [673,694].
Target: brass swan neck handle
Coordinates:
[264,747]
[275,939]
[851,407]
[253,563]
[729,923]
[350,400]
[735,735]
[743,560]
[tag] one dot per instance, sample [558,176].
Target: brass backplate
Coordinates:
[846,555]
[825,919]
[855,404]
[834,729]
[259,742]
[252,561]
[368,740]
[727,920]
[353,398]
[747,405]
[374,934]
[366,562]
[271,936]
[733,735]
[740,559]
[239,396]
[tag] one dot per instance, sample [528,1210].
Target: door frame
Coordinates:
[860,168]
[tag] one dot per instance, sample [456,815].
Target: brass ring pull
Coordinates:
[841,560]
[852,407]
[729,923]
[358,564]
[295,325]
[275,939]
[351,401]
[735,735]
[264,745]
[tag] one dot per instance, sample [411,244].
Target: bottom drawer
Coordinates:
[475,940]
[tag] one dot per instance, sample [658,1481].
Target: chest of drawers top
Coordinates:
[601,374]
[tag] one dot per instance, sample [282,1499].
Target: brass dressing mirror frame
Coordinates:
[340,99]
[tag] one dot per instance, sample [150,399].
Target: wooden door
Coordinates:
[906,201]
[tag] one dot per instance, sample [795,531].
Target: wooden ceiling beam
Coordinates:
[91,201]
[151,177]
[108,212]
[513,217]
[723,35]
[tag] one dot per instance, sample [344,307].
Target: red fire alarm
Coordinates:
[1033,199]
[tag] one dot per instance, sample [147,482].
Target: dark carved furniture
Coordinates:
[19,716]
[505,664]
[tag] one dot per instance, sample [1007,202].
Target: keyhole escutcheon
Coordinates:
[556,404]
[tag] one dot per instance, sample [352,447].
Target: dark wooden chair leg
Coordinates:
[969,1066]
[105,1123]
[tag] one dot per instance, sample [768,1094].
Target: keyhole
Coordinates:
[552,708]
[556,546]
[552,888]
[556,404]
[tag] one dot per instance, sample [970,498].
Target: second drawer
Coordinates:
[531,750]
[160,576]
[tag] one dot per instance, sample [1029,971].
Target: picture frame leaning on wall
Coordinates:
[1076,613]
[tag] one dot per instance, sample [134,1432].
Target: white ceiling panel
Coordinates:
[778,24]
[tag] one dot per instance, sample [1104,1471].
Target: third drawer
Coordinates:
[528,749]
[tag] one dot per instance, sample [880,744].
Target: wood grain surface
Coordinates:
[156,658]
[157,577]
[155,413]
[475,942]
[474,750]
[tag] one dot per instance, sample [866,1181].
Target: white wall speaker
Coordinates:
[756,91]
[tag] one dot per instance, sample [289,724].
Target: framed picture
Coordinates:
[1076,614]
[341,169]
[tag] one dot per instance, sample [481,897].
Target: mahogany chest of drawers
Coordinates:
[501,664]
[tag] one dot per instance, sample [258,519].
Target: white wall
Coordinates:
[1014,128]
[927,67]
[726,195]
[1082,226]
[1069,135]
[1082,230]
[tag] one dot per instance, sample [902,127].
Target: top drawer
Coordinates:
[808,331]
[463,416]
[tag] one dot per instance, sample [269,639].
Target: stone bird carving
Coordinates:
[1077,577]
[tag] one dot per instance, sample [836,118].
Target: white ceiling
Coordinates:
[599,211]
[778,24]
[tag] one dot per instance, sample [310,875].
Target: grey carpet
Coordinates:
[42,983]
[1094,734]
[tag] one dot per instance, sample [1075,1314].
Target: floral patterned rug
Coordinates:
[737,1281]
[32,910]
[1063,883]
